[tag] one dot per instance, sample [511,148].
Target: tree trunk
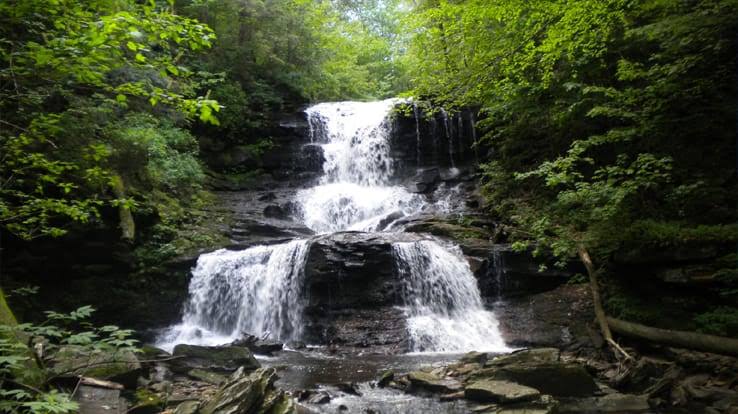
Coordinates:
[690,340]
[127,225]
[599,310]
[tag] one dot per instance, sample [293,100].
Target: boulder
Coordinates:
[120,366]
[424,181]
[258,346]
[319,398]
[206,376]
[432,383]
[249,393]
[499,391]
[187,407]
[350,388]
[385,379]
[557,379]
[213,358]
[473,357]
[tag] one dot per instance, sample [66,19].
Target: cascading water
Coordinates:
[442,300]
[447,127]
[255,291]
[418,151]
[259,290]
[354,192]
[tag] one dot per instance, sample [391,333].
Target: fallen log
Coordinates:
[680,339]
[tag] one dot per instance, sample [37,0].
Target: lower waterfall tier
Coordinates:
[393,292]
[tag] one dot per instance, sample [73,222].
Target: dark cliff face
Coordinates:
[352,293]
[422,143]
[434,140]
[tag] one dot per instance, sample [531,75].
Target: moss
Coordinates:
[146,398]
[454,231]
[99,364]
[6,315]
[181,229]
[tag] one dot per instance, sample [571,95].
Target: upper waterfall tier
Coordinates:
[354,192]
[355,137]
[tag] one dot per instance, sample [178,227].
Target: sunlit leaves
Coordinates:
[98,52]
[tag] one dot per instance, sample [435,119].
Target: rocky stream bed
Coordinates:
[232,379]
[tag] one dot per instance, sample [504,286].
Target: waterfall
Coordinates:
[417,134]
[447,126]
[460,134]
[354,192]
[442,300]
[259,290]
[472,123]
[498,266]
[255,291]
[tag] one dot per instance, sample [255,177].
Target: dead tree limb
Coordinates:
[597,301]
[680,339]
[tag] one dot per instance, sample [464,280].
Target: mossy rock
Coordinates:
[6,315]
[114,365]
[31,374]
[213,358]
[147,402]
[247,393]
[445,229]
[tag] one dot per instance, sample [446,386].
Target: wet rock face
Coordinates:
[425,140]
[559,318]
[352,291]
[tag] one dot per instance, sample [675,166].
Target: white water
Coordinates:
[354,192]
[259,290]
[255,291]
[442,300]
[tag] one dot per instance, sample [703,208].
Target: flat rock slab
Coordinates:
[499,391]
[96,400]
[527,356]
[432,383]
[557,379]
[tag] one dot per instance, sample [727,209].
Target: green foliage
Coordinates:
[20,393]
[181,228]
[68,69]
[625,107]
[153,154]
[722,321]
